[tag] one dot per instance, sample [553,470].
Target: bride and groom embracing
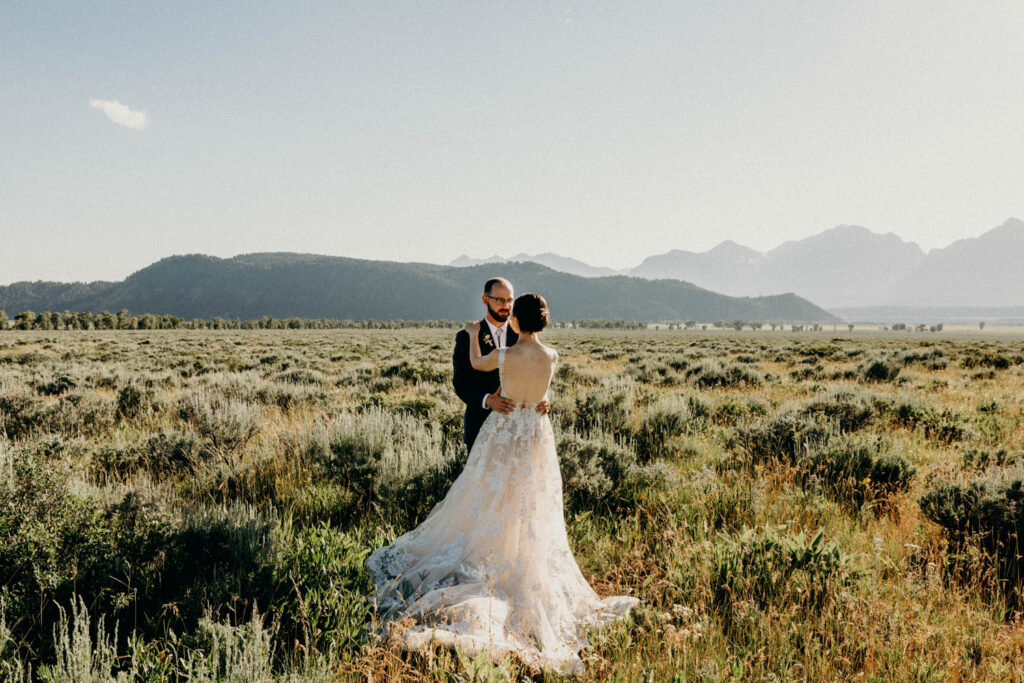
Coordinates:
[490,567]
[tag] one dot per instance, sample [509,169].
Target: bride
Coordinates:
[490,567]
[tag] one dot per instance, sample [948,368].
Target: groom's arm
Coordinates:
[462,377]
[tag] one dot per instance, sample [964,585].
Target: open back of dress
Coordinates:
[490,567]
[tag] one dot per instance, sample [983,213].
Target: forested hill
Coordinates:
[311,286]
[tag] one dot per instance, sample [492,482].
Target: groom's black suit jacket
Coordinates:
[470,384]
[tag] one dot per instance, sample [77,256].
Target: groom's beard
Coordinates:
[501,315]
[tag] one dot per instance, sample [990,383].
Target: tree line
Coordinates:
[123,320]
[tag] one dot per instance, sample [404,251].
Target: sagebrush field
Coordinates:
[197,505]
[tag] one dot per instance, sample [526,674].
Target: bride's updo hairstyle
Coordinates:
[531,312]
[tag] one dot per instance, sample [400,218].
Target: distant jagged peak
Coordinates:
[1012,227]
[846,236]
[850,232]
[730,248]
[523,256]
[465,260]
[860,233]
[1011,231]
[848,229]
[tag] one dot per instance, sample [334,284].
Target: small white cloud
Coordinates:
[120,114]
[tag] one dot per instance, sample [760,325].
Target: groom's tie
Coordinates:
[500,337]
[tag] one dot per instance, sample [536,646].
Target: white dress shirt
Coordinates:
[499,339]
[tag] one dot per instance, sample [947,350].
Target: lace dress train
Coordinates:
[490,567]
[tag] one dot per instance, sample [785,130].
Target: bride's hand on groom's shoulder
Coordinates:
[473,326]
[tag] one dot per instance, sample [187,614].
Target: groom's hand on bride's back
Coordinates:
[499,403]
[543,407]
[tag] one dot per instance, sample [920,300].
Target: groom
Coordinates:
[479,390]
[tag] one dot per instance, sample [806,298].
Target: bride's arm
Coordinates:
[478,361]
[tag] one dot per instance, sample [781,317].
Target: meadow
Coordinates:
[198,504]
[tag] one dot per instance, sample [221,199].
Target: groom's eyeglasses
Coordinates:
[498,299]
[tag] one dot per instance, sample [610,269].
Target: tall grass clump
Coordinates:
[12,667]
[771,574]
[324,597]
[235,654]
[658,427]
[78,657]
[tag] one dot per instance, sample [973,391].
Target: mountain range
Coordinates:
[847,266]
[285,285]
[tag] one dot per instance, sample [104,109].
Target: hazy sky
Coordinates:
[423,130]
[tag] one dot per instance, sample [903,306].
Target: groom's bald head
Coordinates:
[489,285]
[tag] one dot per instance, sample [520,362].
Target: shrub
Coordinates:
[784,438]
[227,424]
[934,359]
[986,512]
[730,410]
[879,370]
[56,386]
[389,460]
[606,409]
[216,557]
[302,376]
[996,361]
[568,374]
[323,588]
[20,413]
[980,458]
[78,659]
[856,470]
[171,452]
[594,471]
[654,373]
[711,373]
[945,426]
[698,407]
[859,469]
[286,396]
[418,372]
[132,401]
[55,543]
[849,408]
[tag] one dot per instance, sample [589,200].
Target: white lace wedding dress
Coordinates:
[490,567]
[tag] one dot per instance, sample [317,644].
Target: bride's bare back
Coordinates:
[528,372]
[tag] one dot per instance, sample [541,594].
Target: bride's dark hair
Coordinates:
[531,312]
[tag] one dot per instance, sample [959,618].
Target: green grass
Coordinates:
[197,505]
